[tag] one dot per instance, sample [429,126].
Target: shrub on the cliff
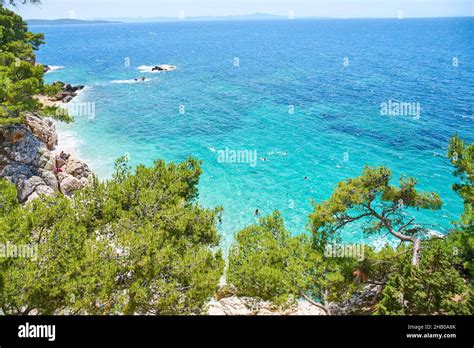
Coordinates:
[420,276]
[266,262]
[371,200]
[135,244]
[20,78]
[435,287]
[8,198]
[423,275]
[462,158]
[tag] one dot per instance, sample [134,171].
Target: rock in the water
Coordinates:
[67,98]
[163,67]
[66,95]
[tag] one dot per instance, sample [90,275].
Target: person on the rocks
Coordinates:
[64,156]
[60,161]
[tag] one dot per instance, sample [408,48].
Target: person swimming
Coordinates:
[257,212]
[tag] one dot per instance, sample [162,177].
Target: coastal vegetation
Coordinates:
[424,274]
[140,243]
[137,244]
[266,262]
[21,79]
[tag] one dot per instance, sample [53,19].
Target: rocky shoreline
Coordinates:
[66,95]
[68,92]
[29,158]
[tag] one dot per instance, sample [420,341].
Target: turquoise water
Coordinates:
[336,127]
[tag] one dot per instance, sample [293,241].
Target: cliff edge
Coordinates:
[28,160]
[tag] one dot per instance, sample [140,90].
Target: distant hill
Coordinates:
[66,21]
[250,17]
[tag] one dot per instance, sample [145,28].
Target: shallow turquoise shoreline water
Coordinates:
[290,98]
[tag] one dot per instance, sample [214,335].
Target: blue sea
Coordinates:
[306,95]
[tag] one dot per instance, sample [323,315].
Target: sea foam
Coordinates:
[130,81]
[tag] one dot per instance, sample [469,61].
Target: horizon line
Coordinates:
[277,17]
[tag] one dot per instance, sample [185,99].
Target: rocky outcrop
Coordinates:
[27,160]
[226,302]
[156,68]
[361,303]
[163,67]
[249,306]
[44,130]
[68,92]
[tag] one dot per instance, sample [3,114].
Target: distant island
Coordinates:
[254,16]
[183,17]
[66,21]
[248,17]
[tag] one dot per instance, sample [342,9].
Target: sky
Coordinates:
[89,9]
